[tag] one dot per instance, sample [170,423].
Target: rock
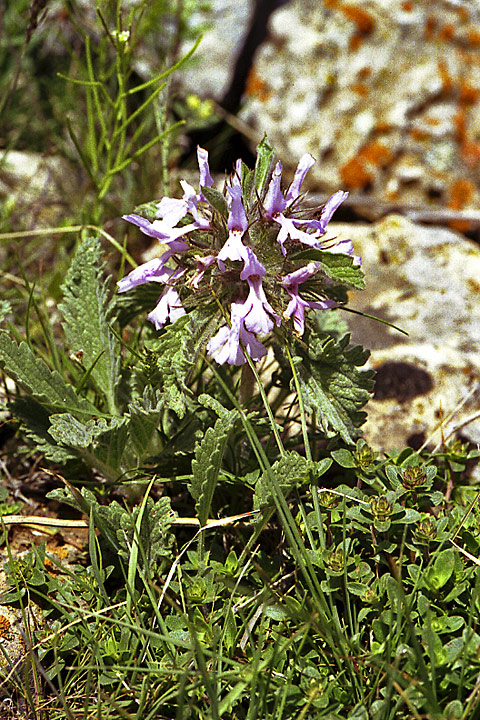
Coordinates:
[386,95]
[34,186]
[426,281]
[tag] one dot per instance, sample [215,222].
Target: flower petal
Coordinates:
[274,201]
[169,307]
[304,165]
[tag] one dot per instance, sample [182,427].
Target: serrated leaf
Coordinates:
[338,266]
[207,463]
[177,350]
[35,377]
[216,200]
[332,386]
[87,314]
[290,471]
[99,443]
[36,421]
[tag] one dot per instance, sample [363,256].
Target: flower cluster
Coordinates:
[244,248]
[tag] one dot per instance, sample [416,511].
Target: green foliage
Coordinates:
[87,315]
[331,384]
[207,464]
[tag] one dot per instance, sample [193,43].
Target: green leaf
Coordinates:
[177,350]
[439,574]
[338,266]
[216,200]
[290,471]
[331,384]
[344,458]
[263,166]
[208,462]
[87,315]
[98,443]
[36,421]
[34,376]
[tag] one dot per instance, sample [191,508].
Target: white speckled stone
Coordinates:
[425,280]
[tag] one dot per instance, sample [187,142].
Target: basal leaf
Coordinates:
[207,463]
[87,314]
[34,376]
[331,384]
[36,422]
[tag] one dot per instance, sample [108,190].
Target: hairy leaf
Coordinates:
[331,384]
[99,443]
[36,422]
[289,471]
[35,377]
[155,537]
[208,462]
[87,315]
[337,266]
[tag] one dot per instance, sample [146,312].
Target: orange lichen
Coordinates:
[430,26]
[365,72]
[382,126]
[361,89]
[354,174]
[364,22]
[447,81]
[376,153]
[446,32]
[468,93]
[256,87]
[473,38]
[356,41]
[470,154]
[460,121]
[461,192]
[407,5]
[359,171]
[418,134]
[5,626]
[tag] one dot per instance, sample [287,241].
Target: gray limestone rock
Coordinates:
[426,280]
[384,93]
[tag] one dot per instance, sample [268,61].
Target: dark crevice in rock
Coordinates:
[226,145]
[401,381]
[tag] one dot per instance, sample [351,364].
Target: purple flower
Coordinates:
[225,345]
[237,223]
[169,307]
[258,314]
[304,165]
[297,305]
[203,263]
[159,229]
[151,271]
[205,177]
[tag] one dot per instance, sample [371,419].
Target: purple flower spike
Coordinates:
[225,345]
[306,162]
[274,202]
[169,307]
[327,211]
